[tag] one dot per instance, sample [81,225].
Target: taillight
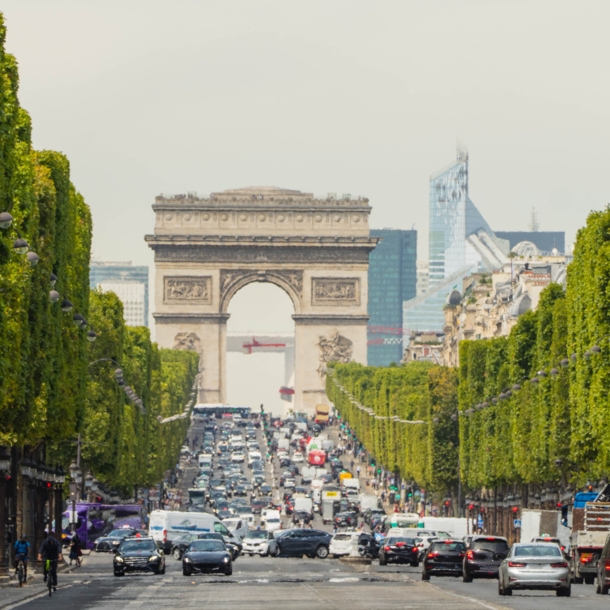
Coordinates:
[433,554]
[470,555]
[561,564]
[386,548]
[461,555]
[608,564]
[514,564]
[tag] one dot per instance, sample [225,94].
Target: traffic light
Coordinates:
[379,471]
[515,509]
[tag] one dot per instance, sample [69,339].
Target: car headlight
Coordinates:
[153,558]
[187,559]
[116,542]
[225,559]
[119,559]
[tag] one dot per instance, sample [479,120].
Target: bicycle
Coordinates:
[20,572]
[51,571]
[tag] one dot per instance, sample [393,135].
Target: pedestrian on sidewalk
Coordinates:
[358,471]
[75,552]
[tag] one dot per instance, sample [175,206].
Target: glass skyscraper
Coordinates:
[392,280]
[460,243]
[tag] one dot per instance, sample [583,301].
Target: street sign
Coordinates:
[517,523]
[480,522]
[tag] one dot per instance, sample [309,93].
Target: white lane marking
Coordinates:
[343,579]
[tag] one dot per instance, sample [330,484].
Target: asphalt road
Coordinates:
[286,584]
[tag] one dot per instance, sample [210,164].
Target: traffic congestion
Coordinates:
[257,487]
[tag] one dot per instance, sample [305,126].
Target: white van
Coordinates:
[237,526]
[165,525]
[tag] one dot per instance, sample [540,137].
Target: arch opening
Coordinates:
[260,346]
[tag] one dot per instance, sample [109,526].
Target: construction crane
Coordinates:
[248,347]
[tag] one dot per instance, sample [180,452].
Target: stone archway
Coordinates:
[316,250]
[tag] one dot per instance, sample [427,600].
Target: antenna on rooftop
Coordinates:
[534,224]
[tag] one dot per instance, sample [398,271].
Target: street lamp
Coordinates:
[20,246]
[6,220]
[5,456]
[73,470]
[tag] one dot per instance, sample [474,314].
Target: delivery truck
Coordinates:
[321,415]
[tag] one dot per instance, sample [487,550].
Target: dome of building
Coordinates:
[526,249]
[454,297]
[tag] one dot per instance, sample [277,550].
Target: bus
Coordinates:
[94,520]
[202,411]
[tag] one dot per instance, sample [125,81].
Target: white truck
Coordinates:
[351,484]
[455,527]
[590,528]
[368,502]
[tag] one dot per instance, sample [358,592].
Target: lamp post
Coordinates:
[59,480]
[75,476]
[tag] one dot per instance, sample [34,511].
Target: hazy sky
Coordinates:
[360,97]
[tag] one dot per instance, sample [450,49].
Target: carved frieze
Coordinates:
[194,289]
[203,253]
[333,348]
[335,291]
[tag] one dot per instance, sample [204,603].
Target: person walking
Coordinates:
[50,550]
[75,552]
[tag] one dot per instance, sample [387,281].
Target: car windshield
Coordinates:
[342,537]
[120,533]
[210,536]
[273,520]
[210,546]
[128,546]
[493,546]
[535,550]
[400,540]
[448,547]
[256,534]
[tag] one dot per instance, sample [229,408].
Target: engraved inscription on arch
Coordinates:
[194,289]
[335,291]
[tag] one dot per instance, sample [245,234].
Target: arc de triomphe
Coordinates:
[316,250]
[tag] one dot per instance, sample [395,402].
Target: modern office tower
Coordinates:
[423,277]
[128,282]
[460,243]
[392,280]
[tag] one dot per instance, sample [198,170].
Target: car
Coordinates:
[301,515]
[180,544]
[298,457]
[346,519]
[240,490]
[138,555]
[238,457]
[257,505]
[298,542]
[399,549]
[234,548]
[207,556]
[444,558]
[111,541]
[534,565]
[603,570]
[289,483]
[260,542]
[556,541]
[483,557]
[342,543]
[265,490]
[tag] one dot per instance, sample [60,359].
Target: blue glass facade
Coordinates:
[118,273]
[392,280]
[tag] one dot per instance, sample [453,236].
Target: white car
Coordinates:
[254,456]
[298,457]
[259,542]
[238,457]
[342,543]
[271,519]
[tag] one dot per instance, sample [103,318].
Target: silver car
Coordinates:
[535,565]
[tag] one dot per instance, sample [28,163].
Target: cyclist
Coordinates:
[50,550]
[22,550]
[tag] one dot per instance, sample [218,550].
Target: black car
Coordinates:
[234,548]
[180,544]
[138,555]
[111,541]
[346,519]
[207,556]
[444,558]
[299,542]
[370,514]
[483,557]
[266,490]
[240,490]
[399,549]
[301,515]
